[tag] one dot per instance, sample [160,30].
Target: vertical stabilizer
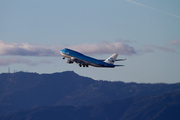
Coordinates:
[111,59]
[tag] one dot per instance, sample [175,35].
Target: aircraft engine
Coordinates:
[69,61]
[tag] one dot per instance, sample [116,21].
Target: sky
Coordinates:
[146,32]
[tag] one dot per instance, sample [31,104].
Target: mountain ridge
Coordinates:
[23,91]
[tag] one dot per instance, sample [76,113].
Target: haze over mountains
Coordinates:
[67,95]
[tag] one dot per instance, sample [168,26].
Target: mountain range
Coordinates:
[67,95]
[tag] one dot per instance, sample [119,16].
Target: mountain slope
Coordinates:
[23,90]
[161,107]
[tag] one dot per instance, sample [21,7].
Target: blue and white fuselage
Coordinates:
[85,61]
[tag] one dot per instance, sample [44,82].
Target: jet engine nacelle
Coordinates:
[69,61]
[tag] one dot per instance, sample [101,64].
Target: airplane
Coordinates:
[85,61]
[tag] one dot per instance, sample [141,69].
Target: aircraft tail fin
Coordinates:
[111,59]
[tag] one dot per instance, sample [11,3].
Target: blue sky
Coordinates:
[147,33]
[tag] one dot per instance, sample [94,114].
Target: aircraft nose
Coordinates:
[62,51]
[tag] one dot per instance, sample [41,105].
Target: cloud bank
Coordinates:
[105,48]
[26,49]
[120,47]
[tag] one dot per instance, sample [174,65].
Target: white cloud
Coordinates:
[26,49]
[105,48]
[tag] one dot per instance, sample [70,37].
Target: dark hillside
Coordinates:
[160,107]
[23,90]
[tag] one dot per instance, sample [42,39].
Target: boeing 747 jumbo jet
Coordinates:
[85,61]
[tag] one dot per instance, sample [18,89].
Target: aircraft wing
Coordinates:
[78,61]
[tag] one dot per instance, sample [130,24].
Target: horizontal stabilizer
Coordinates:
[118,65]
[121,59]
